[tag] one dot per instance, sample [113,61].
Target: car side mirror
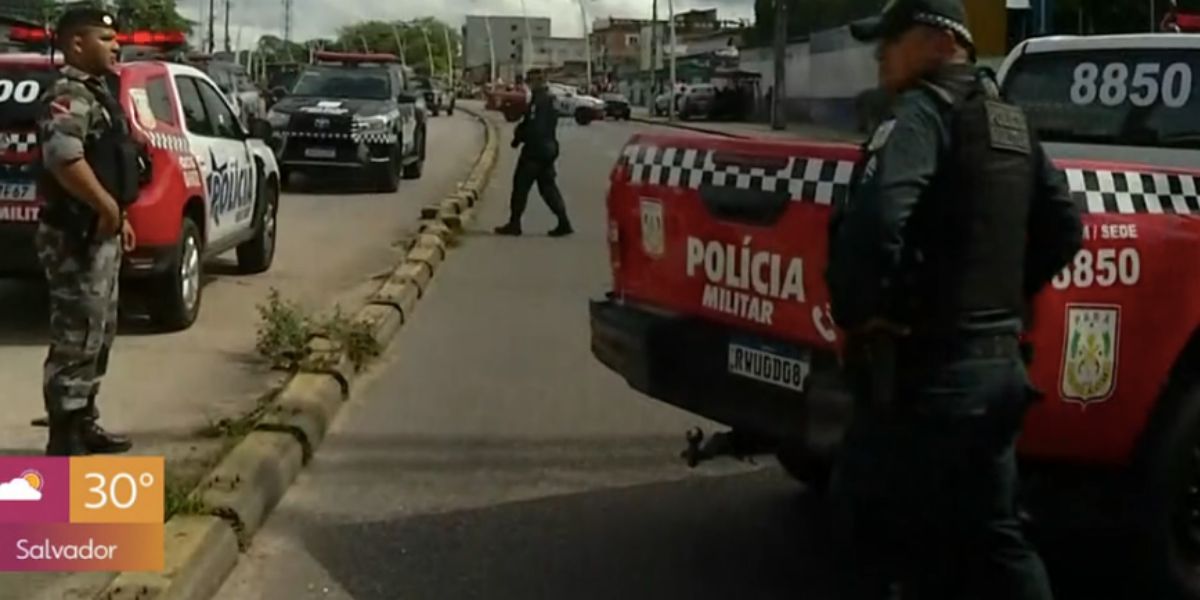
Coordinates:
[260,129]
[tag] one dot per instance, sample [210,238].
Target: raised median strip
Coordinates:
[235,499]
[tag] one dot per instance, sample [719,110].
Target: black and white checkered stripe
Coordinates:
[1132,192]
[166,141]
[376,137]
[18,142]
[806,179]
[313,135]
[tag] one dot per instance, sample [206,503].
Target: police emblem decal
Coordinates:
[653,240]
[1090,348]
[882,133]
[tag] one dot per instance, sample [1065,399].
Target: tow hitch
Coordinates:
[733,443]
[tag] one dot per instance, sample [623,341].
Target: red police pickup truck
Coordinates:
[719,307]
[214,187]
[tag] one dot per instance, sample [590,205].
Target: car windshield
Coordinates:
[360,84]
[1132,97]
[20,90]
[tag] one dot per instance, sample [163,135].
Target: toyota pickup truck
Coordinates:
[718,304]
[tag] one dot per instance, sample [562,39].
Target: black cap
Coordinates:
[898,16]
[76,18]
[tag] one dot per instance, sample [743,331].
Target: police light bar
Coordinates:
[353,58]
[35,35]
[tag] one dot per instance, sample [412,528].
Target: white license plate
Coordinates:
[755,362]
[320,152]
[10,190]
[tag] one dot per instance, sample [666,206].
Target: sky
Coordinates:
[321,18]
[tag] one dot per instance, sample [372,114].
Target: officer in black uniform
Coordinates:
[91,170]
[956,221]
[537,135]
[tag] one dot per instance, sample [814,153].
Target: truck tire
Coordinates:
[387,175]
[805,467]
[583,116]
[1168,525]
[257,254]
[415,169]
[285,178]
[174,298]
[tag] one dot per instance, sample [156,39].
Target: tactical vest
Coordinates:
[113,157]
[970,233]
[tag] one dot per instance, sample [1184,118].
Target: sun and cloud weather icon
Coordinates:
[27,487]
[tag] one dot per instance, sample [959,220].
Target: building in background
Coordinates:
[508,38]
[616,47]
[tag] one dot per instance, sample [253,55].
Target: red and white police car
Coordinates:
[214,188]
[719,306]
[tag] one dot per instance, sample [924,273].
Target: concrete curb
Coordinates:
[200,554]
[240,493]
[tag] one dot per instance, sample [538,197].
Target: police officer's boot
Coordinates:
[99,441]
[510,228]
[66,434]
[563,229]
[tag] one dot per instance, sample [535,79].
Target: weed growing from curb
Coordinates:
[286,333]
[178,499]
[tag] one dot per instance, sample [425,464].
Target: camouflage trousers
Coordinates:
[83,288]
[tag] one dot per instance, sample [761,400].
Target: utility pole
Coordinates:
[399,45]
[227,47]
[449,57]
[525,56]
[674,48]
[428,48]
[780,86]
[653,51]
[212,25]
[487,24]
[287,20]
[587,44]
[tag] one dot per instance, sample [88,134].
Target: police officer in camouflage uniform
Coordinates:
[537,135]
[82,233]
[956,221]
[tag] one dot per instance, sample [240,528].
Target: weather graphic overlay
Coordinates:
[27,488]
[81,513]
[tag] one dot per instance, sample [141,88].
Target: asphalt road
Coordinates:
[333,239]
[489,456]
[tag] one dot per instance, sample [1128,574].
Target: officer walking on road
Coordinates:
[89,175]
[537,134]
[957,220]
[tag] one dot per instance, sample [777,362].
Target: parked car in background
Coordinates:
[247,99]
[616,106]
[572,103]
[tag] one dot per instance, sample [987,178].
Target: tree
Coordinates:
[380,36]
[156,15]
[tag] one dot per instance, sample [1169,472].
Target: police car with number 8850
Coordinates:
[212,186]
[719,307]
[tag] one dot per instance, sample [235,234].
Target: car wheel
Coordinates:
[256,255]
[1168,526]
[583,116]
[174,299]
[415,169]
[387,175]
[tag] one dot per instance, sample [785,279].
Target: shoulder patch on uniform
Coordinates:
[1007,127]
[881,135]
